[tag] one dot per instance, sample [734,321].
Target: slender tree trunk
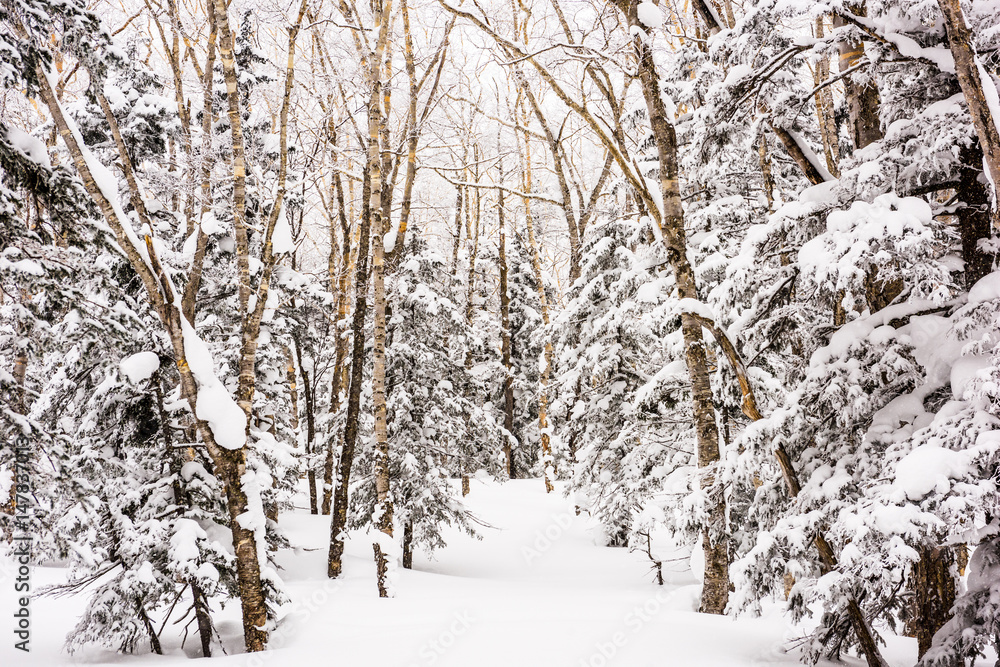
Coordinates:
[715,593]
[824,109]
[308,388]
[18,405]
[338,522]
[566,203]
[154,640]
[408,545]
[505,348]
[190,299]
[293,388]
[238,159]
[458,230]
[470,293]
[382,519]
[765,170]
[340,355]
[204,617]
[371,218]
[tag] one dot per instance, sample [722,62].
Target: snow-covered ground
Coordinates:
[535,590]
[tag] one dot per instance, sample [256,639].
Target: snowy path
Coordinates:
[534,591]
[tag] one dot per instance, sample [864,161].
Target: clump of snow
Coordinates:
[695,307]
[184,541]
[226,419]
[34,149]
[140,366]
[215,404]
[929,468]
[210,225]
[986,288]
[984,566]
[281,240]
[389,238]
[965,370]
[649,15]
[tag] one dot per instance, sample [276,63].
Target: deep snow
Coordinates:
[536,590]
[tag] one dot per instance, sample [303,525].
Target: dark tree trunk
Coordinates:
[341,345]
[505,347]
[338,522]
[154,641]
[408,545]
[974,215]
[933,595]
[307,392]
[204,617]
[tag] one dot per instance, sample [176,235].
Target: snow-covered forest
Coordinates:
[587,332]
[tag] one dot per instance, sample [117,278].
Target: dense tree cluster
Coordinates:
[728,271]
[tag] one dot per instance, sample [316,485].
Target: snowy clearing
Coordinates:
[536,590]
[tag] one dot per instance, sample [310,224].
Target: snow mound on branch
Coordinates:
[34,149]
[215,405]
[928,468]
[140,366]
[986,289]
[649,15]
[210,225]
[389,238]
[281,240]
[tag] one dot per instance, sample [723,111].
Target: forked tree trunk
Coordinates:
[548,463]
[229,464]
[340,355]
[338,519]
